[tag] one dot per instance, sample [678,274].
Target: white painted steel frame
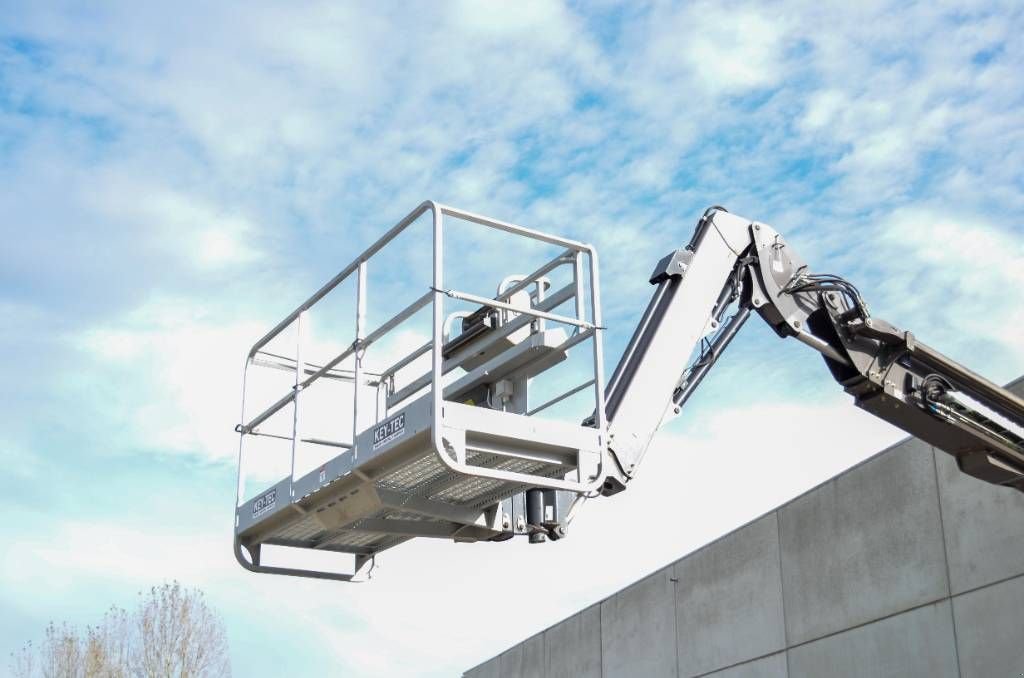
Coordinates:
[685,321]
[585,330]
[437,358]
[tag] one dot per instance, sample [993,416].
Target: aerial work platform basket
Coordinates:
[447,416]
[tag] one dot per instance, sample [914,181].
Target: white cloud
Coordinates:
[135,556]
[823,108]
[734,49]
[892,95]
[956,274]
[709,48]
[246,156]
[181,366]
[207,236]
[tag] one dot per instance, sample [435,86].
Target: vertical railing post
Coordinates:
[437,360]
[300,371]
[358,353]
[577,279]
[240,481]
[595,312]
[540,291]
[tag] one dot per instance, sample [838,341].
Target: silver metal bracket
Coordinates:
[672,265]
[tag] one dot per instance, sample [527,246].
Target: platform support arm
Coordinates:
[692,288]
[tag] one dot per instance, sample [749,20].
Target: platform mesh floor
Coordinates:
[425,477]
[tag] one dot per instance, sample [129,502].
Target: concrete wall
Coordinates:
[901,566]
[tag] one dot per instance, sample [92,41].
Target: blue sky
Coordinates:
[175,180]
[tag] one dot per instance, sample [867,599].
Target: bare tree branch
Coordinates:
[172,633]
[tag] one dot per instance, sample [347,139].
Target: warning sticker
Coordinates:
[389,430]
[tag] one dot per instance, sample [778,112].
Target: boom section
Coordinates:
[694,286]
[887,370]
[732,267]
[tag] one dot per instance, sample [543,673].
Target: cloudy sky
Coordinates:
[174,181]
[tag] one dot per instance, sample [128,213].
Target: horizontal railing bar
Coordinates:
[311,368]
[309,364]
[313,441]
[408,390]
[551,301]
[512,228]
[575,339]
[396,320]
[328,443]
[391,234]
[269,435]
[563,258]
[554,401]
[266,414]
[494,303]
[407,359]
[275,355]
[554,301]
[345,272]
[414,386]
[372,337]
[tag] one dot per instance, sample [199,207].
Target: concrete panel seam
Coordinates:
[936,601]
[945,554]
[675,614]
[867,545]
[915,643]
[896,614]
[988,585]
[782,589]
[990,622]
[745,661]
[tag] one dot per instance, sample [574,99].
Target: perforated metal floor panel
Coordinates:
[420,497]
